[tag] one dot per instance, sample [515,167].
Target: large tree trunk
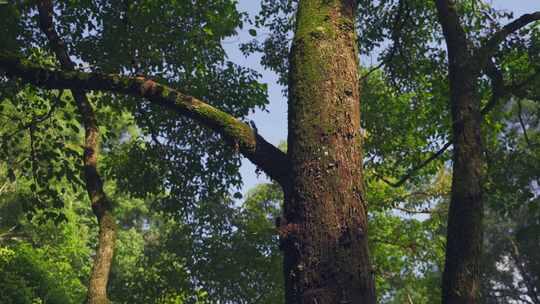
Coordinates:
[461,278]
[324,231]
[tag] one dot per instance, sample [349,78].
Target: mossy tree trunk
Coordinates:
[324,229]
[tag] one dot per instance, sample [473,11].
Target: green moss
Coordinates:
[165,91]
[314,46]
[233,127]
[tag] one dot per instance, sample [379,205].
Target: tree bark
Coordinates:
[324,229]
[101,206]
[462,273]
[461,277]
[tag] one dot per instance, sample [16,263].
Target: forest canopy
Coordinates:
[410,179]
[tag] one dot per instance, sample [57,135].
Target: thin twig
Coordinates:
[415,169]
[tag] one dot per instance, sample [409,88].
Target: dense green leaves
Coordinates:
[183,238]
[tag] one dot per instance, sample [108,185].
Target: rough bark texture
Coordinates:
[461,278]
[324,229]
[462,274]
[97,285]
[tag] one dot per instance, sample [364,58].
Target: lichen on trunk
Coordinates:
[324,232]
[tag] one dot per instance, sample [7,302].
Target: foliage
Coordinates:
[183,237]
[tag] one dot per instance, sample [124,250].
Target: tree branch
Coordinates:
[415,169]
[396,30]
[253,146]
[522,123]
[414,211]
[94,183]
[519,89]
[498,89]
[487,50]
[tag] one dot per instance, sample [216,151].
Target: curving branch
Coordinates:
[486,51]
[500,89]
[417,168]
[267,157]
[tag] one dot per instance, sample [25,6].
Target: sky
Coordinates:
[272,124]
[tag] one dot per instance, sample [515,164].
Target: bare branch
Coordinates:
[415,169]
[414,211]
[12,235]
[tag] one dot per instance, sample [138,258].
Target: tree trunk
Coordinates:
[324,230]
[97,286]
[461,279]
[101,206]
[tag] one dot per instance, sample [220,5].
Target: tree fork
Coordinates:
[101,205]
[324,231]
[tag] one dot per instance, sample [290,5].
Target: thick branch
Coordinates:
[489,48]
[499,89]
[263,154]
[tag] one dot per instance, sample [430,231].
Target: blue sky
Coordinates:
[273,124]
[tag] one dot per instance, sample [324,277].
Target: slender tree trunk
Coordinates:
[324,230]
[461,278]
[101,206]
